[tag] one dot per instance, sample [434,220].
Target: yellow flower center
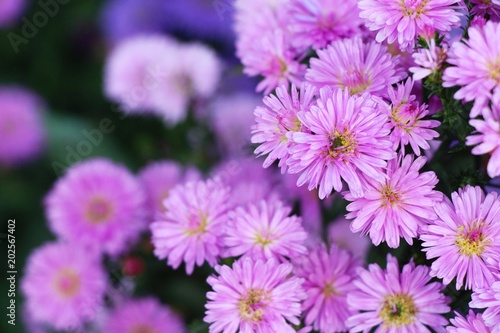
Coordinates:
[67,282]
[494,71]
[329,290]
[471,241]
[398,310]
[390,196]
[264,239]
[252,306]
[197,224]
[142,328]
[341,144]
[99,210]
[413,8]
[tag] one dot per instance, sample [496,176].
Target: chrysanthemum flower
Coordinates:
[278,118]
[158,178]
[328,278]
[254,296]
[473,323]
[352,64]
[475,66]
[397,302]
[396,206]
[429,60]
[488,137]
[316,23]
[465,238]
[406,116]
[404,20]
[348,140]
[489,298]
[486,7]
[190,229]
[264,231]
[143,315]
[63,285]
[97,204]
[21,126]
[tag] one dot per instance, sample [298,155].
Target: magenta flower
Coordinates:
[475,66]
[348,140]
[352,64]
[277,119]
[488,137]
[254,296]
[97,204]
[63,286]
[486,7]
[474,323]
[430,60]
[406,116]
[264,231]
[465,238]
[404,20]
[190,229]
[143,315]
[11,11]
[396,206]
[489,298]
[328,278]
[21,127]
[316,23]
[397,302]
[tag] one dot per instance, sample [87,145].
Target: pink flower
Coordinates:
[339,234]
[277,119]
[97,204]
[474,323]
[316,23]
[397,302]
[254,296]
[328,276]
[404,20]
[406,116]
[63,285]
[190,229]
[488,137]
[143,315]
[396,206]
[475,66]
[486,7]
[359,67]
[489,298]
[465,238]
[21,127]
[264,231]
[430,60]
[347,139]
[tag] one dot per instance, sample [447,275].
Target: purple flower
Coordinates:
[328,279]
[99,205]
[465,238]
[190,229]
[264,231]
[352,64]
[430,60]
[474,323]
[397,302]
[143,315]
[21,128]
[254,296]
[347,139]
[340,234]
[489,298]
[11,11]
[63,285]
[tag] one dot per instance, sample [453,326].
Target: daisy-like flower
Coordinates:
[473,323]
[488,137]
[264,231]
[316,23]
[406,116]
[465,238]
[395,206]
[348,139]
[397,302]
[143,315]
[63,285]
[21,126]
[489,298]
[404,20]
[486,7]
[278,118]
[328,278]
[475,65]
[429,60]
[352,64]
[97,204]
[254,296]
[190,229]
